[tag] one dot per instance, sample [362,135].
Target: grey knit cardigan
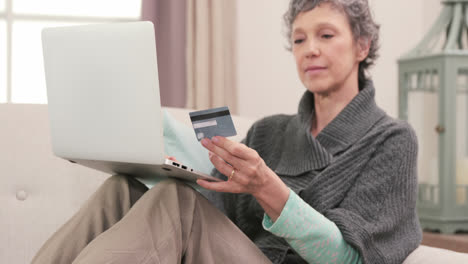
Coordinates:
[359,172]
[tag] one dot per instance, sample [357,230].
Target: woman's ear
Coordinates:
[363,48]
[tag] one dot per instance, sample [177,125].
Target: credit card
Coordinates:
[213,122]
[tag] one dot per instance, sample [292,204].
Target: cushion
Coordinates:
[430,255]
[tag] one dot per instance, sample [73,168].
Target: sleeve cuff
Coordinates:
[271,226]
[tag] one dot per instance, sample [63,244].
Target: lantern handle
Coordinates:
[440,129]
[455,27]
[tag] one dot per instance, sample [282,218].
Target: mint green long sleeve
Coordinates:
[315,238]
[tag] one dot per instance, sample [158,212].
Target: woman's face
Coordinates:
[327,57]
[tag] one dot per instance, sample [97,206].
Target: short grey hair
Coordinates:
[360,20]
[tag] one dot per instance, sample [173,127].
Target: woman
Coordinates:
[335,183]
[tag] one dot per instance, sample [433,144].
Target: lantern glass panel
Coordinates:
[462,137]
[424,80]
[423,113]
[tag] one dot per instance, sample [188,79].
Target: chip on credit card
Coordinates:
[212,122]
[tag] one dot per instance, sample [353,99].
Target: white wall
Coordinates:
[266,76]
[431,10]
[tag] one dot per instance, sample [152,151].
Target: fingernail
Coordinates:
[215,139]
[204,142]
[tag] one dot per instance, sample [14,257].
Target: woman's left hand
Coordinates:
[246,172]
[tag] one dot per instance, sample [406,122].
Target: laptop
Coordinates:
[103,100]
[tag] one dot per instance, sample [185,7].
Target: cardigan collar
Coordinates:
[351,124]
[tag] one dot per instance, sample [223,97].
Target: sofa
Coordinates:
[39,192]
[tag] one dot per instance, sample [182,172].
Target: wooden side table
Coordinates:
[455,242]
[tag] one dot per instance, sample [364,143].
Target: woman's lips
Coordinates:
[314,69]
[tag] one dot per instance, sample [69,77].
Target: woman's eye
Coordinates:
[327,36]
[298,41]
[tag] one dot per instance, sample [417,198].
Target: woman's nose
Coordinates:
[311,50]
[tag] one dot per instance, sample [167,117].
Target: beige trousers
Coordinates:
[171,223]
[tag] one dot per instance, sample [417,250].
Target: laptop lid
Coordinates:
[103,92]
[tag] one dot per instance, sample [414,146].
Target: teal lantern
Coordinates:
[433,98]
